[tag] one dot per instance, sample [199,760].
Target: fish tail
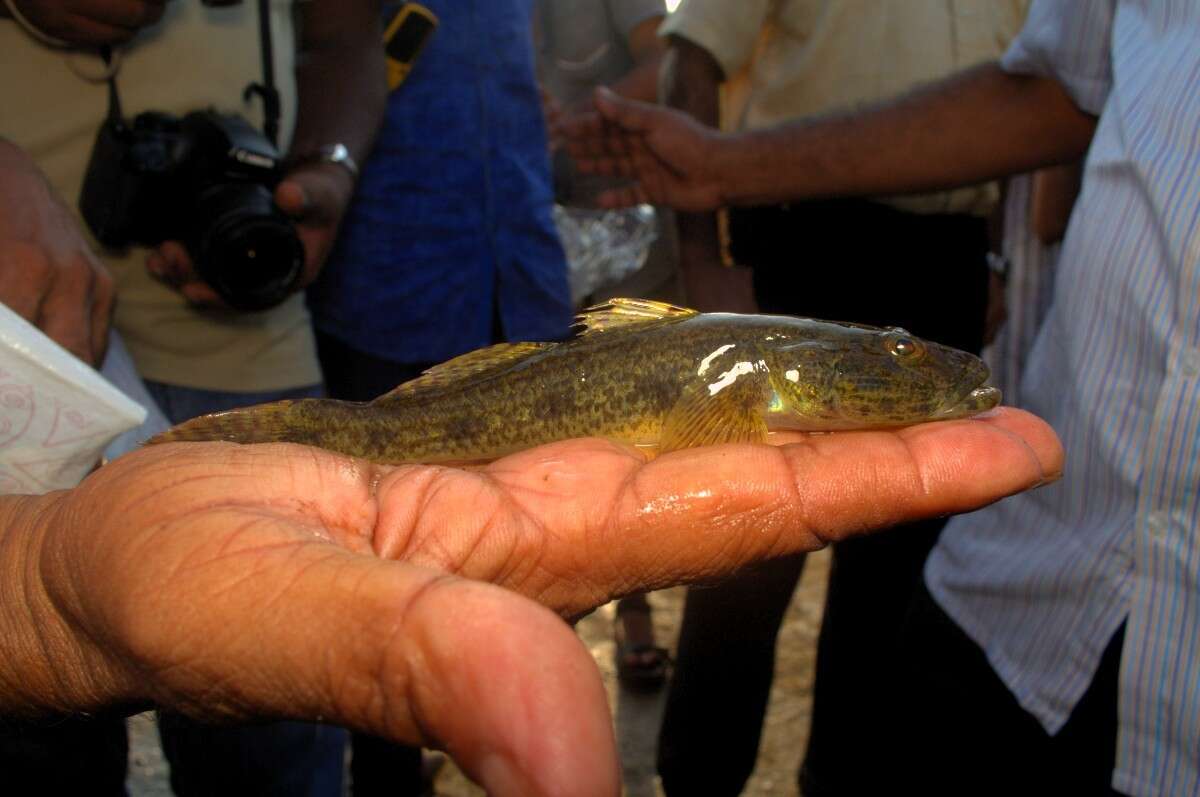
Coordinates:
[264,423]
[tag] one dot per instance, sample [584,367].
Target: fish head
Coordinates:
[844,376]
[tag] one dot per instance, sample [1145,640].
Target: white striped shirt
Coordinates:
[1042,581]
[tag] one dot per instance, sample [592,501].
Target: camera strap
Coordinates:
[265,90]
[115,117]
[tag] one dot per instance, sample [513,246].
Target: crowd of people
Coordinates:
[836,159]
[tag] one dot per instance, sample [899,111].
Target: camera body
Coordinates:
[206,179]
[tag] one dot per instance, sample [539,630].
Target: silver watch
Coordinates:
[330,153]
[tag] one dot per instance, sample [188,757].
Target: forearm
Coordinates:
[973,127]
[340,74]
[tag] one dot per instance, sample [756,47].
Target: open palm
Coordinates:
[277,580]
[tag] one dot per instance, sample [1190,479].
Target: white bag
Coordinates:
[603,246]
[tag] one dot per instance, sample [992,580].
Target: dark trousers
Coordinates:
[846,260]
[377,766]
[945,724]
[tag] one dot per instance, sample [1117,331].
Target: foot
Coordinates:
[641,665]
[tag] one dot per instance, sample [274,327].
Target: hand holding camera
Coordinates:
[314,196]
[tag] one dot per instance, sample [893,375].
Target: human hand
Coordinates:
[48,272]
[668,154]
[313,195]
[277,580]
[91,23]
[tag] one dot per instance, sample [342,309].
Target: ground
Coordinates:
[636,716]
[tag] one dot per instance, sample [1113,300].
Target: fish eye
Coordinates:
[904,346]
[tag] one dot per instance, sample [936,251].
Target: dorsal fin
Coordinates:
[623,313]
[473,364]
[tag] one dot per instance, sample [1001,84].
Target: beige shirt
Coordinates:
[196,57]
[793,58]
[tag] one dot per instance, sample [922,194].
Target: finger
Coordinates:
[621,526]
[315,195]
[103,303]
[582,132]
[629,115]
[127,14]
[623,197]
[28,276]
[171,263]
[65,315]
[201,294]
[813,490]
[291,198]
[88,31]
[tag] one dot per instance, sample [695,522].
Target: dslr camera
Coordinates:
[207,180]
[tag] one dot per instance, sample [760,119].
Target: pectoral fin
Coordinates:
[702,419]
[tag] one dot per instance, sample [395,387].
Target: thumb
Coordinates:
[291,198]
[631,116]
[410,654]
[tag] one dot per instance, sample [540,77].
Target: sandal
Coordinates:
[641,666]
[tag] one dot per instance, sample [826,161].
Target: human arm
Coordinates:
[1054,193]
[279,581]
[975,126]
[342,93]
[691,82]
[48,273]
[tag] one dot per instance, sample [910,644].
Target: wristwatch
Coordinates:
[330,153]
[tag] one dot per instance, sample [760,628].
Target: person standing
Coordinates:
[449,244]
[1054,649]
[194,353]
[824,258]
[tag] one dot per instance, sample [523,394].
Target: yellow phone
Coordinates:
[403,39]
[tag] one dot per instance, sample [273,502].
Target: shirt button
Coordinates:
[1190,363]
[1157,524]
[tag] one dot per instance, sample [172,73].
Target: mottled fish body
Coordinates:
[641,372]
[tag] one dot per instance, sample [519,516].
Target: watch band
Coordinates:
[335,153]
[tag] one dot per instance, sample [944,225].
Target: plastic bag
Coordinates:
[604,246]
[56,413]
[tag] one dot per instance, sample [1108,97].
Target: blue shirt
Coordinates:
[452,217]
[1042,580]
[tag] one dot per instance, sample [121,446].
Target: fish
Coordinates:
[639,372]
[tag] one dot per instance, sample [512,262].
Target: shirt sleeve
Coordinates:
[727,29]
[628,14]
[1069,40]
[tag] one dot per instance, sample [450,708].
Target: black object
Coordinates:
[206,180]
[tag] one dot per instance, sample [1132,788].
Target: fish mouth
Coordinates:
[977,400]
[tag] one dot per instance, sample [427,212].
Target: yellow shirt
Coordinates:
[797,58]
[196,57]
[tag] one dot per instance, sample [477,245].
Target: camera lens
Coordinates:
[247,251]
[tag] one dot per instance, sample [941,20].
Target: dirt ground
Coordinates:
[636,716]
